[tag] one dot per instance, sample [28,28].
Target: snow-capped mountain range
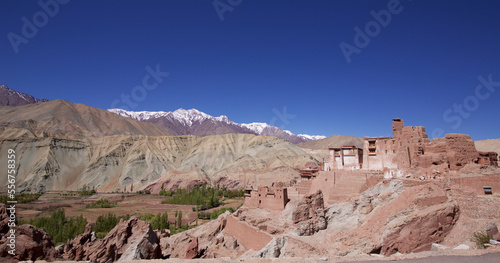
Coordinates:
[195,122]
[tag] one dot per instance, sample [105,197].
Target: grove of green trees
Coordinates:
[203,196]
[59,228]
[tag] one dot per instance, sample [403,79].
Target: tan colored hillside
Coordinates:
[332,141]
[61,162]
[61,116]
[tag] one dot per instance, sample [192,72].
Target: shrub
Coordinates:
[101,203]
[481,238]
[87,191]
[21,198]
[214,214]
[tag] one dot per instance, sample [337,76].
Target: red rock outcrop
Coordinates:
[76,249]
[129,240]
[192,250]
[420,232]
[403,216]
[31,243]
[212,239]
[309,216]
[414,219]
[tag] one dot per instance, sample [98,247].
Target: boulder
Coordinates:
[309,216]
[492,231]
[32,243]
[417,233]
[438,247]
[192,249]
[462,247]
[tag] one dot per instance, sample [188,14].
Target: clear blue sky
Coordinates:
[267,55]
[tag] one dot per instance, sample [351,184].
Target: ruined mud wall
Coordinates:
[475,184]
[275,198]
[460,150]
[338,186]
[411,148]
[247,235]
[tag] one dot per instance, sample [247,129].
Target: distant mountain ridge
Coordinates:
[59,116]
[10,97]
[179,122]
[195,122]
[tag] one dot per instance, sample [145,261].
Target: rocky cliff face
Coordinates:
[61,162]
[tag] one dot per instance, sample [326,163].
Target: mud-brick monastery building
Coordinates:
[351,169]
[409,147]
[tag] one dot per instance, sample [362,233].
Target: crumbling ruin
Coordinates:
[267,197]
[409,147]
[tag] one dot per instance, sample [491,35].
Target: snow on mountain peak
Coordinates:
[311,137]
[139,115]
[224,118]
[186,117]
[192,116]
[256,127]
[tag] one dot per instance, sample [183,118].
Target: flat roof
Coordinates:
[377,138]
[333,148]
